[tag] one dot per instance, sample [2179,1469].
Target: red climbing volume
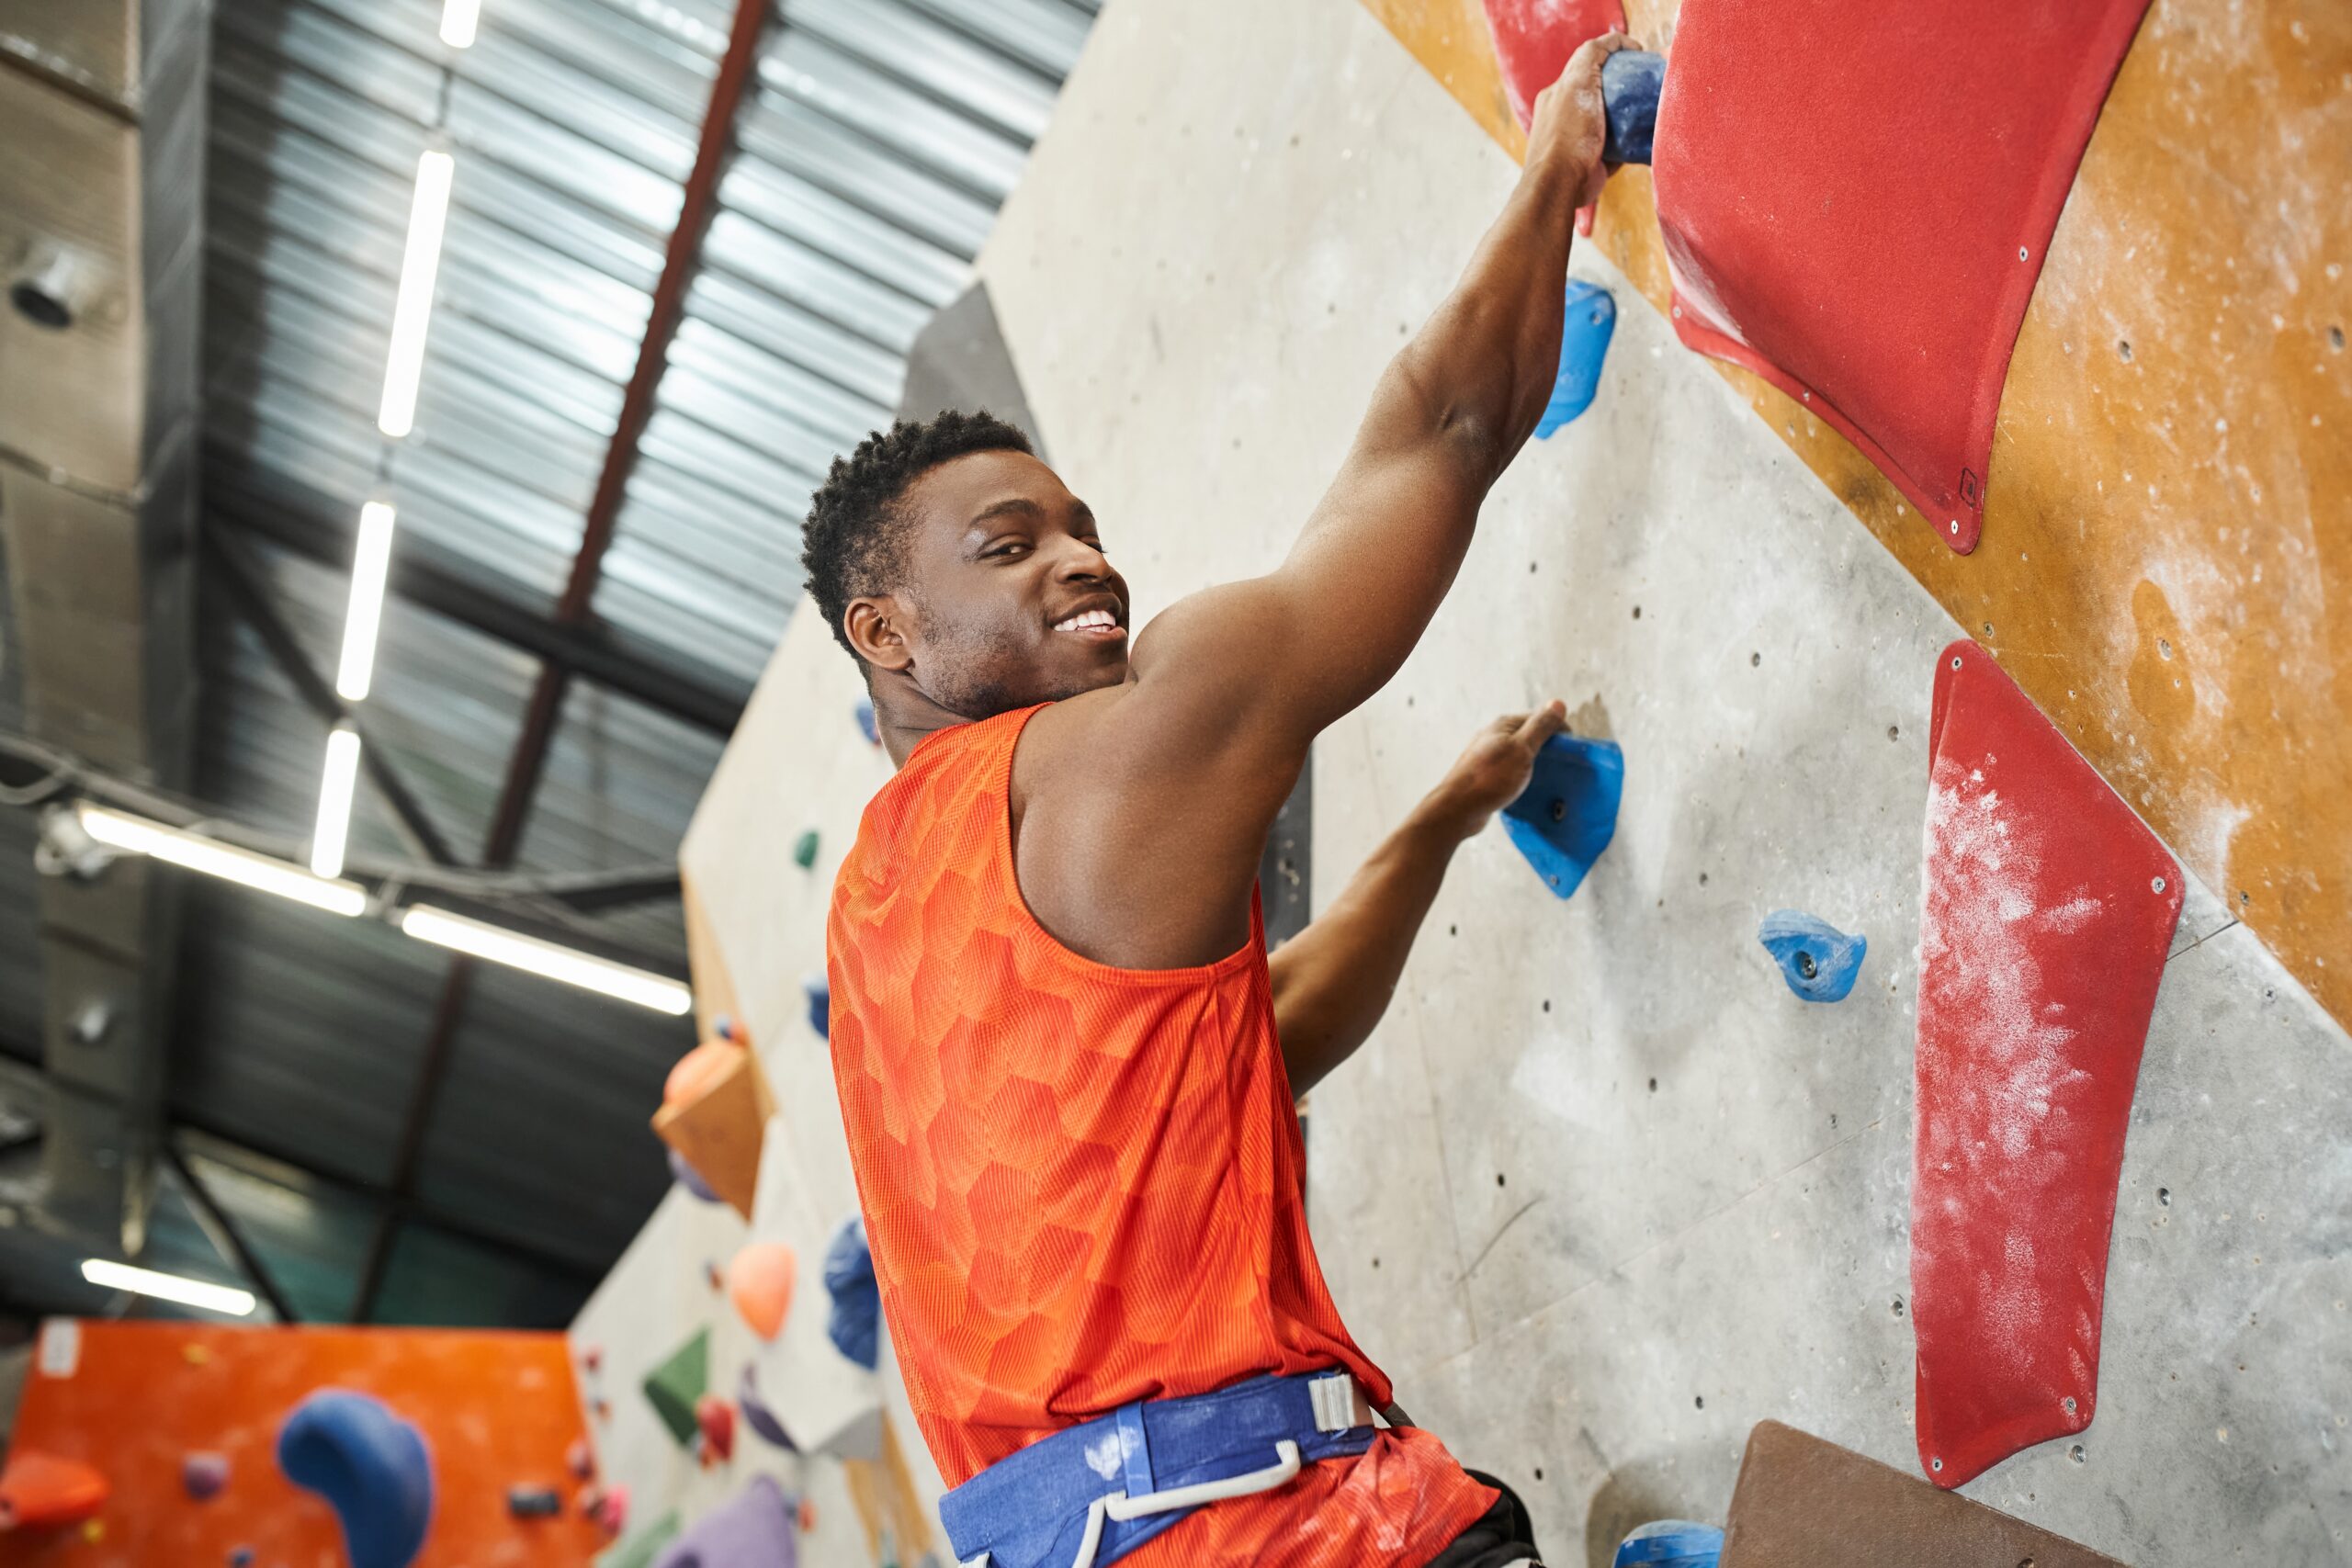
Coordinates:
[2048,910]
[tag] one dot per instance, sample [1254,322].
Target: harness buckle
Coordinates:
[1339,1403]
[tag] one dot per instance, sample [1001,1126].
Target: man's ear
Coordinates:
[873,624]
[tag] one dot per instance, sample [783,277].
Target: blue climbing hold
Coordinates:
[1585,331]
[1568,813]
[1631,81]
[1671,1543]
[855,1323]
[866,726]
[370,1466]
[821,1005]
[1818,961]
[688,1177]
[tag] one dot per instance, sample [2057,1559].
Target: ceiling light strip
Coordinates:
[193,852]
[547,959]
[413,312]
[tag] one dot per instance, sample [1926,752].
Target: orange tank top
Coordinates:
[1083,1184]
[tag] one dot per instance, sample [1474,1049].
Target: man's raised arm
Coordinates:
[1141,814]
[1280,657]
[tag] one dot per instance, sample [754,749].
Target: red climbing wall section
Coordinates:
[1534,38]
[1863,225]
[135,1399]
[2048,910]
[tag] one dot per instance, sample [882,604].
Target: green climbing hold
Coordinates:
[804,852]
[673,1387]
[639,1550]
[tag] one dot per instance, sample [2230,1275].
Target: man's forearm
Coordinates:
[1334,979]
[1482,367]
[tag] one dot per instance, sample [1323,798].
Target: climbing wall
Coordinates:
[139,1401]
[798,763]
[2166,539]
[1602,1192]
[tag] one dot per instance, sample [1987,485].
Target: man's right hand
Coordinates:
[1571,124]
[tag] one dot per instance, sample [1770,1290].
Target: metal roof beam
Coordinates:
[226,1239]
[235,569]
[692,694]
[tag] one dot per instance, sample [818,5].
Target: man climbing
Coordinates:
[1066,1063]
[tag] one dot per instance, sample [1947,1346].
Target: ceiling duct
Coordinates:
[102,108]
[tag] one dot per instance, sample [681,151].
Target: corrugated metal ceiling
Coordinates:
[880,140]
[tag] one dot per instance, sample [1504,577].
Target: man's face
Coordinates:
[1008,599]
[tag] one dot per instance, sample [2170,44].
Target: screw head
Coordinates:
[1559,811]
[2158,885]
[1937,1465]
[1955,661]
[1956,524]
[1805,965]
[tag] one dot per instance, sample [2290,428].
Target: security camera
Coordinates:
[66,848]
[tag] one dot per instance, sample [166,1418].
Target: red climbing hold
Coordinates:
[38,1491]
[1856,199]
[717,1420]
[2049,910]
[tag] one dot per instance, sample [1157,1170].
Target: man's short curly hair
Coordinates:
[854,544]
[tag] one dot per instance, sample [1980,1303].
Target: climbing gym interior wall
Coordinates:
[1604,1192]
[829,1433]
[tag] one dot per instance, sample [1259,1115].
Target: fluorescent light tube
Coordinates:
[212,858]
[370,565]
[458,20]
[168,1287]
[337,781]
[427,217]
[499,945]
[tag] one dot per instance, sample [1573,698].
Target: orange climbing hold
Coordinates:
[759,1281]
[39,1491]
[698,1069]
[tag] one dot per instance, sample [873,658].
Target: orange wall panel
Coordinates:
[496,1410]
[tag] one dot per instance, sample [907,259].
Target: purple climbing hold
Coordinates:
[820,992]
[240,1557]
[758,1417]
[205,1475]
[690,1178]
[754,1530]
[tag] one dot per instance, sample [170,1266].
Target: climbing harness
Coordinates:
[1091,1493]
